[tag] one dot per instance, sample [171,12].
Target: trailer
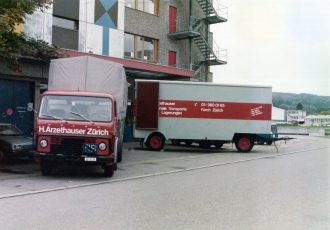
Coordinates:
[207,113]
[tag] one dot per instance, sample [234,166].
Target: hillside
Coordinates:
[313,104]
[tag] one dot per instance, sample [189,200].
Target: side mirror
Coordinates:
[30,107]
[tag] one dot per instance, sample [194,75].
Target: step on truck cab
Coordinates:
[82,114]
[207,113]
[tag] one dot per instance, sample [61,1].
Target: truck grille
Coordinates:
[68,146]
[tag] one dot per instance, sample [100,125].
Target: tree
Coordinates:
[15,45]
[299,106]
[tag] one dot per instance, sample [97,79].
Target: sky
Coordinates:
[284,44]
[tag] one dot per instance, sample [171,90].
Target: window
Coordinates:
[140,47]
[149,6]
[65,23]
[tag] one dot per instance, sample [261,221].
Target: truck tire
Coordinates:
[120,151]
[155,142]
[244,144]
[109,170]
[46,167]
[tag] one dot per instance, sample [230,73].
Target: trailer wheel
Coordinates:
[269,142]
[205,144]
[218,144]
[244,144]
[109,170]
[46,167]
[155,142]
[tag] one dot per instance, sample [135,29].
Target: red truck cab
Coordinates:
[73,126]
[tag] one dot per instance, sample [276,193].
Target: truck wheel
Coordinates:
[188,143]
[218,144]
[205,144]
[156,142]
[46,167]
[244,144]
[109,170]
[120,151]
[269,142]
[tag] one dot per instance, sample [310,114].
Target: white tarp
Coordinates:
[89,74]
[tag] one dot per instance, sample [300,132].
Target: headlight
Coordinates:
[43,143]
[102,146]
[17,147]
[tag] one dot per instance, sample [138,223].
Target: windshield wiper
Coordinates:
[82,116]
[47,115]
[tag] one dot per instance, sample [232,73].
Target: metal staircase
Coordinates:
[213,15]
[212,55]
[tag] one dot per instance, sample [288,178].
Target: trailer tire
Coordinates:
[46,167]
[109,170]
[269,142]
[156,142]
[244,144]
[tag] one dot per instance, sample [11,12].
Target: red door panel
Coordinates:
[172,19]
[171,58]
[147,102]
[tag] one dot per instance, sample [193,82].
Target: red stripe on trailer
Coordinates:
[214,110]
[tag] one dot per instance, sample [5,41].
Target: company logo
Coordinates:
[256,111]
[63,130]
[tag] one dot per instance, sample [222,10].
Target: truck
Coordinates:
[270,139]
[81,116]
[206,113]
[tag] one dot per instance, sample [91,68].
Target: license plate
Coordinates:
[90,159]
[89,148]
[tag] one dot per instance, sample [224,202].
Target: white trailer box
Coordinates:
[207,113]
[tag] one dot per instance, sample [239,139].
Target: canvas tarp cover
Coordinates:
[89,74]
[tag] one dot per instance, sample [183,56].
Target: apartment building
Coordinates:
[153,39]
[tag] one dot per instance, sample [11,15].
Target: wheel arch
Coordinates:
[253,136]
[154,132]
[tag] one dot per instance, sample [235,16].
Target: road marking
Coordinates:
[152,174]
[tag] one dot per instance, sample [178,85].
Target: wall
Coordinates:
[156,26]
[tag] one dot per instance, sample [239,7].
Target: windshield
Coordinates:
[6,130]
[78,108]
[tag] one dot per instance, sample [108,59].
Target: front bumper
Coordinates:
[74,158]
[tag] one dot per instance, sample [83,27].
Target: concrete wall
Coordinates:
[301,131]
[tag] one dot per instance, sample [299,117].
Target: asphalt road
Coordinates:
[287,187]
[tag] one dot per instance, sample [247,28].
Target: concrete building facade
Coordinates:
[153,39]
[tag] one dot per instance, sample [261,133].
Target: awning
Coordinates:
[140,69]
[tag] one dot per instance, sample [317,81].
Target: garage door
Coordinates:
[15,98]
